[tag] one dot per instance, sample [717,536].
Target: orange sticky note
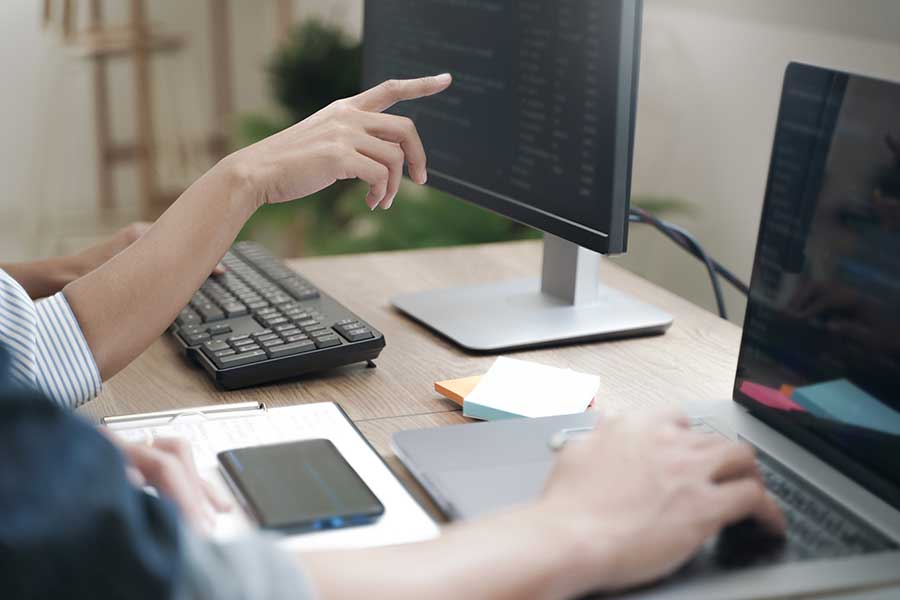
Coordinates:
[457,389]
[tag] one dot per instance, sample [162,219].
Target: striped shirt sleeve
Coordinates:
[47,345]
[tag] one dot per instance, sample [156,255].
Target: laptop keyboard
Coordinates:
[818,527]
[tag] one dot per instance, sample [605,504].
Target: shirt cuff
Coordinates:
[67,370]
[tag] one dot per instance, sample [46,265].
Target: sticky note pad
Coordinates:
[516,388]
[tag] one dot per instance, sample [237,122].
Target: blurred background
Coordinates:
[110,108]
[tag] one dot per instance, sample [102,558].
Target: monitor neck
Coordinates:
[570,273]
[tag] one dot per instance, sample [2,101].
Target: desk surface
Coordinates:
[695,360]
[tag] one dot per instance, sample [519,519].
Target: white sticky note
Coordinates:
[517,388]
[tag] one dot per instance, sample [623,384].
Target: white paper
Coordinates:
[530,389]
[403,520]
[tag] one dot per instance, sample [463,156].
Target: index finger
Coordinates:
[386,94]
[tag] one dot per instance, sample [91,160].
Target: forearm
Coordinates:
[519,554]
[42,278]
[128,302]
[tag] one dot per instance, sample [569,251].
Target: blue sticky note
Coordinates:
[840,400]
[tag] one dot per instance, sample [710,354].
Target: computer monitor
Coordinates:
[538,126]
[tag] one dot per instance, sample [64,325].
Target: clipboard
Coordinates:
[211,429]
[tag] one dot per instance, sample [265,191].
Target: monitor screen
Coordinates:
[538,124]
[820,356]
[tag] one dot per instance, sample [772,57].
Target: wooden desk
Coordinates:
[695,360]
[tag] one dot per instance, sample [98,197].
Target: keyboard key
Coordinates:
[288,332]
[273,323]
[284,326]
[222,353]
[197,338]
[296,338]
[355,335]
[219,328]
[235,309]
[256,304]
[210,312]
[237,360]
[188,317]
[267,337]
[277,341]
[261,332]
[247,348]
[328,341]
[237,338]
[294,348]
[215,346]
[308,323]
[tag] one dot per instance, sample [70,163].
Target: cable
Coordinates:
[688,243]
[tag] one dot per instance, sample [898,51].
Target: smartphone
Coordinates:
[300,486]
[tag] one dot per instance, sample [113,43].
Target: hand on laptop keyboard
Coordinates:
[651,491]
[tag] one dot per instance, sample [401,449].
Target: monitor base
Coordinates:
[511,315]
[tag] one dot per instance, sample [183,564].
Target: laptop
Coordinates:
[817,388]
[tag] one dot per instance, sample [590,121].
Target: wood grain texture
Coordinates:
[694,361]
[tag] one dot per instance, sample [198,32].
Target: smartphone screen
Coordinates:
[296,486]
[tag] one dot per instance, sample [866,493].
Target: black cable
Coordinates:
[721,270]
[688,243]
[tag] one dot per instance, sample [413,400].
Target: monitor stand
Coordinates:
[566,305]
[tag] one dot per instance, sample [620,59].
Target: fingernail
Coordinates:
[389,203]
[443,78]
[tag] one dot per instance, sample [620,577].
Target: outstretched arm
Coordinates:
[129,301]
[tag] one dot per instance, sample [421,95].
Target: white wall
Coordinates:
[710,84]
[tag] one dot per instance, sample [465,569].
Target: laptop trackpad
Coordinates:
[486,489]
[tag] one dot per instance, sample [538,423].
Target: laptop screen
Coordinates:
[820,355]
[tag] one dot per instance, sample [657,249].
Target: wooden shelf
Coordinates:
[123,41]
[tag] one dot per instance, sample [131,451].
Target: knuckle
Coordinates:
[391,86]
[755,491]
[408,125]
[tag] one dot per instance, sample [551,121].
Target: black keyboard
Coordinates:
[261,322]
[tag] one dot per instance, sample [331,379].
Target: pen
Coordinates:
[221,410]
